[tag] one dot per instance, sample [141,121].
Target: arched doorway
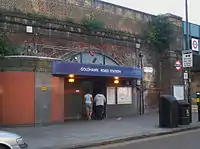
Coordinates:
[74,92]
[96,72]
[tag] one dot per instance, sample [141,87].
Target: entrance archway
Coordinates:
[90,58]
[74,99]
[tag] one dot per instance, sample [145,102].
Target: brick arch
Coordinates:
[71,57]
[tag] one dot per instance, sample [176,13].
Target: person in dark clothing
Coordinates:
[100,101]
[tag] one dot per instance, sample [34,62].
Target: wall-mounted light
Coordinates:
[116,78]
[116,81]
[71,80]
[71,75]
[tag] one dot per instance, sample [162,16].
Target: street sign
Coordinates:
[187,59]
[195,44]
[185,75]
[178,65]
[29,29]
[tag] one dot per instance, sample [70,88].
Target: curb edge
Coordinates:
[130,138]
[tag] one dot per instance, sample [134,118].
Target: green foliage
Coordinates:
[6,48]
[93,24]
[160,33]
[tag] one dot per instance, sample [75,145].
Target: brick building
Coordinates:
[46,33]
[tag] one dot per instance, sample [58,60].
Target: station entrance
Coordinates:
[117,83]
[74,94]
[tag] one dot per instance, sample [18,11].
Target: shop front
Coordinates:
[116,82]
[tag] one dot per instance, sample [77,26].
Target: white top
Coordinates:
[88,98]
[99,99]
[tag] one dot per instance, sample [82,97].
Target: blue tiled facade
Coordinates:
[194,32]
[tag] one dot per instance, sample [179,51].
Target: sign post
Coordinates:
[187,60]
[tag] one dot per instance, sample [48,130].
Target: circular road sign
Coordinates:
[195,44]
[178,65]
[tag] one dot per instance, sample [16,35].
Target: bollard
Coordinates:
[198,104]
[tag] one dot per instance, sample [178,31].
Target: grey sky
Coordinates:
[176,7]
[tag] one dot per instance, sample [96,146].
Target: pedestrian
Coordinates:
[99,101]
[88,100]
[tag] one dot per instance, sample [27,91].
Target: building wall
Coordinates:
[17,98]
[194,29]
[52,41]
[114,16]
[57,99]
[23,100]
[194,32]
[56,43]
[120,110]
[43,97]
[1,98]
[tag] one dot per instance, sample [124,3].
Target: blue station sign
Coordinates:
[65,68]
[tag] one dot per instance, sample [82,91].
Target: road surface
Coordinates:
[183,140]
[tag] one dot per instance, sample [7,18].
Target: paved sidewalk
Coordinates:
[73,134]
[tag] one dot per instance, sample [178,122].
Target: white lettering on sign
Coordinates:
[115,71]
[187,58]
[88,69]
[102,70]
[148,69]
[185,75]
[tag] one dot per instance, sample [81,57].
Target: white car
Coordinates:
[10,140]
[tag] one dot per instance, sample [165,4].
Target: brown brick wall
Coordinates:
[55,43]
[114,16]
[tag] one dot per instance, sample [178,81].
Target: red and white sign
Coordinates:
[178,65]
[195,44]
[91,53]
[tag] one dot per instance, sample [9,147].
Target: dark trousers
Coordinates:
[99,112]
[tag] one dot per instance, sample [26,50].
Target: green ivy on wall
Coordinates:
[93,24]
[160,33]
[6,48]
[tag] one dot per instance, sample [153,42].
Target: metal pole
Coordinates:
[142,85]
[188,48]
[139,65]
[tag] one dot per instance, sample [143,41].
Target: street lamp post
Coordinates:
[188,70]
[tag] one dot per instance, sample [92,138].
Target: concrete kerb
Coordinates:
[129,138]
